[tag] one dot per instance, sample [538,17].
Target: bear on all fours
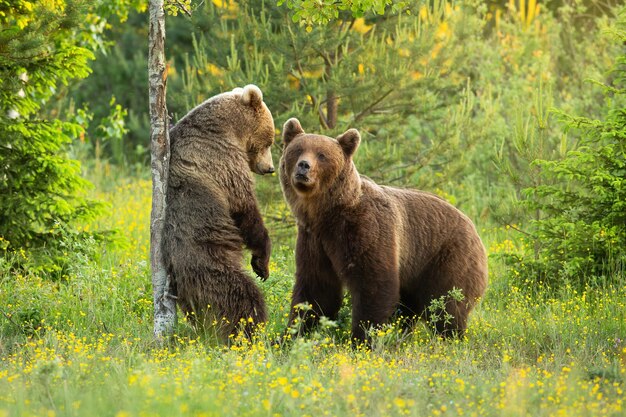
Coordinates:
[393,249]
[212,210]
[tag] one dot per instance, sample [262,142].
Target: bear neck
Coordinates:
[204,145]
[216,120]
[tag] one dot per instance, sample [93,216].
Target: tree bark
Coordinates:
[331,99]
[164,301]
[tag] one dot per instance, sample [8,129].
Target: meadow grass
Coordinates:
[82,346]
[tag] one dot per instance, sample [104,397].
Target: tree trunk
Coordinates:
[164,302]
[331,98]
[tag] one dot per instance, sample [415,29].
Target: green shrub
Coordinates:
[44,46]
[579,236]
[452,98]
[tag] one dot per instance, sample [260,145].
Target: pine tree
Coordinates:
[578,237]
[43,194]
[391,76]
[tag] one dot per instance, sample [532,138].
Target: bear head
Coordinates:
[311,164]
[258,129]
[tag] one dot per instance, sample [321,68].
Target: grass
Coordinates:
[82,346]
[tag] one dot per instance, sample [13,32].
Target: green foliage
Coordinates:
[119,71]
[448,98]
[106,9]
[83,347]
[43,193]
[580,236]
[326,76]
[452,98]
[519,71]
[111,132]
[173,7]
[437,310]
[316,11]
[393,77]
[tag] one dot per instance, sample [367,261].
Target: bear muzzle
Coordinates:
[302,180]
[263,169]
[302,171]
[264,164]
[304,185]
[266,170]
[303,167]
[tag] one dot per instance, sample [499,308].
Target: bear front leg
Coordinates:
[250,223]
[316,284]
[373,302]
[324,299]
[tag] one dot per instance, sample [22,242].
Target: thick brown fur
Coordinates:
[393,249]
[212,210]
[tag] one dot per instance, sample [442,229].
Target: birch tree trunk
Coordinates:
[164,302]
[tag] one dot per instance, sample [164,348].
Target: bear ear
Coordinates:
[251,95]
[349,141]
[291,129]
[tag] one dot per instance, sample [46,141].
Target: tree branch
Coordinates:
[371,108]
[182,7]
[302,79]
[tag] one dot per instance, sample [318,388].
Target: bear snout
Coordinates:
[263,169]
[302,170]
[304,165]
[302,176]
[263,163]
[302,180]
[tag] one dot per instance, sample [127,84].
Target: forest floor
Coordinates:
[82,346]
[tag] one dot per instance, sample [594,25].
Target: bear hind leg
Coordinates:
[452,285]
[449,321]
[242,305]
[224,302]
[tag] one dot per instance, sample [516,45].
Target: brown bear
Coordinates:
[394,249]
[212,209]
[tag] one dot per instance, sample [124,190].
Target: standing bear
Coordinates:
[394,249]
[212,209]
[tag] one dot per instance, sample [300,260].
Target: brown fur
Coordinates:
[212,209]
[392,248]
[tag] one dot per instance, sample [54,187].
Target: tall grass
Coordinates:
[82,346]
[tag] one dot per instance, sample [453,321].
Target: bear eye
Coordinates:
[321,157]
